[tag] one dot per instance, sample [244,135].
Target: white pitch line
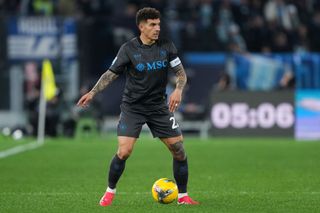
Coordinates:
[146,193]
[19,149]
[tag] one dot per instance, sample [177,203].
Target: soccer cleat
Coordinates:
[107,198]
[186,200]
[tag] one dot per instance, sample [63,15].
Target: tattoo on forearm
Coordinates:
[105,79]
[177,150]
[181,77]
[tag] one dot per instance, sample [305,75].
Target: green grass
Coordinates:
[226,175]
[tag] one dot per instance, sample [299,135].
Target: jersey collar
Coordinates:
[145,45]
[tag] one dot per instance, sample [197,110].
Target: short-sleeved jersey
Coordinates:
[146,68]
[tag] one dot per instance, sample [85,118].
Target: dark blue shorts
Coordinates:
[161,122]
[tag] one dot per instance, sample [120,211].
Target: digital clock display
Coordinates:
[241,115]
[252,113]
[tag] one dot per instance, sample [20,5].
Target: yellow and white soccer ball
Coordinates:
[164,191]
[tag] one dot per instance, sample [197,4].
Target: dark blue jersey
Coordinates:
[146,68]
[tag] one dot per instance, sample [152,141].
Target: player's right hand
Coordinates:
[85,99]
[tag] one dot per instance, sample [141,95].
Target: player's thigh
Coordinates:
[130,123]
[163,124]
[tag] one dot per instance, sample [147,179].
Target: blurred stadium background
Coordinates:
[253,94]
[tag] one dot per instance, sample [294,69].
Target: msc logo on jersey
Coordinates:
[155,65]
[152,66]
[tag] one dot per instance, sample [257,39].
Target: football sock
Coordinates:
[180,171]
[111,190]
[116,169]
[180,195]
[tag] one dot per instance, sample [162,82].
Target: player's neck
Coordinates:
[146,40]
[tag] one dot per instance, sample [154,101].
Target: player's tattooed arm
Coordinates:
[105,79]
[176,96]
[181,77]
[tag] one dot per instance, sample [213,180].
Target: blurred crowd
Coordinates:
[206,25]
[232,26]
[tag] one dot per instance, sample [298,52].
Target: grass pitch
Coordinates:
[226,175]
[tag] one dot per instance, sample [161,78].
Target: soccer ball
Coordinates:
[164,191]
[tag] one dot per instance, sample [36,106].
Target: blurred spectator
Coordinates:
[280,43]
[175,27]
[55,108]
[32,81]
[256,7]
[315,32]
[242,13]
[89,8]
[235,40]
[225,19]
[66,7]
[224,82]
[194,25]
[255,34]
[206,13]
[284,14]
[159,4]
[301,41]
[32,94]
[287,81]
[124,24]
[9,7]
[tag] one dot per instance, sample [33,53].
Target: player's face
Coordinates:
[150,29]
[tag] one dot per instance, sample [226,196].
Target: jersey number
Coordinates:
[174,124]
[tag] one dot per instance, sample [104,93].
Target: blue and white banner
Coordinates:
[258,72]
[68,40]
[32,38]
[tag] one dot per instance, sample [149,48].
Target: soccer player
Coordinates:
[146,60]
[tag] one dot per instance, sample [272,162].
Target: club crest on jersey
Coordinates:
[152,66]
[163,53]
[140,67]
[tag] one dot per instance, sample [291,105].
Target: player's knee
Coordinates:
[178,152]
[124,154]
[180,157]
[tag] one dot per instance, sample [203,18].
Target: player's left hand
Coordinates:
[85,100]
[175,100]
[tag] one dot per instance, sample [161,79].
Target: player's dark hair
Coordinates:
[147,13]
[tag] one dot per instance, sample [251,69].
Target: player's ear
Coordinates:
[141,25]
